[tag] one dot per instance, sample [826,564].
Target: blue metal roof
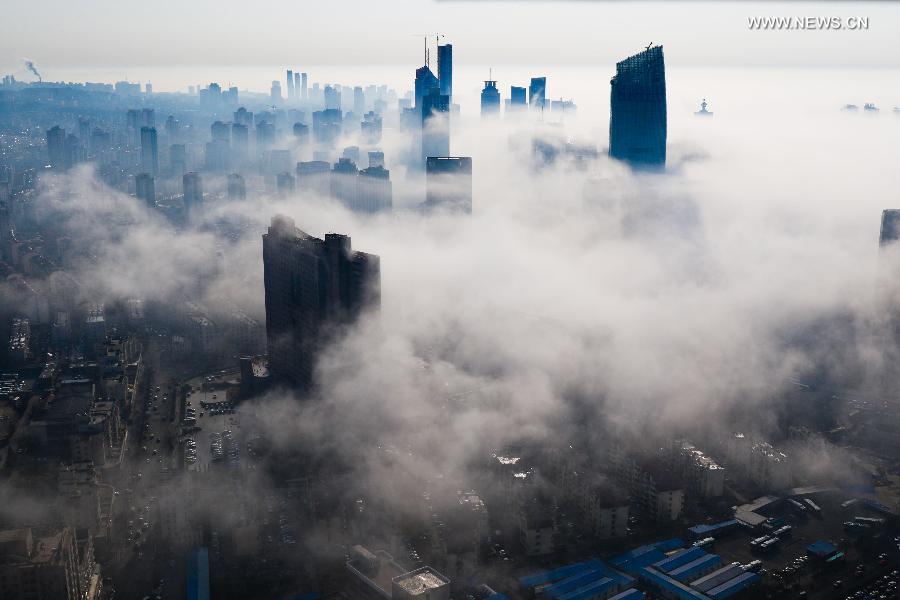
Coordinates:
[631,594]
[198,574]
[821,548]
[661,546]
[592,589]
[667,584]
[530,581]
[570,584]
[682,557]
[733,586]
[702,530]
[689,571]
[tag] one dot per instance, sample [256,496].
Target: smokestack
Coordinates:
[30,66]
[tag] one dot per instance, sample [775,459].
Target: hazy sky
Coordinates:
[97,33]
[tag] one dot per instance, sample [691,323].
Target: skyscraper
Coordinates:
[537,92]
[149,151]
[435,125]
[516,98]
[425,82]
[192,187]
[56,147]
[445,70]
[237,187]
[637,122]
[448,182]
[144,188]
[304,92]
[890,227]
[275,93]
[374,190]
[177,159]
[359,101]
[490,99]
[314,289]
[290,84]
[284,183]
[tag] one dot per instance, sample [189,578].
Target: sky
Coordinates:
[59,34]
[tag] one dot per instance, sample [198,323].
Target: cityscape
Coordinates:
[441,331]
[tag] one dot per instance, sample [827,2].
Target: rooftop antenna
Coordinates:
[649,46]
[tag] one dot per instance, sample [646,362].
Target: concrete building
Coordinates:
[448,181]
[313,289]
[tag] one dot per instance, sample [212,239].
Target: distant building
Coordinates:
[517,96]
[448,181]
[290,84]
[537,92]
[275,93]
[56,148]
[315,176]
[284,183]
[435,125]
[890,227]
[376,158]
[237,187]
[445,70]
[371,128]
[313,289]
[374,190]
[149,151]
[490,99]
[144,188]
[637,123]
[192,189]
[327,126]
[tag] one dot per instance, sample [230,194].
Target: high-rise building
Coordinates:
[448,182]
[237,187]
[435,125]
[374,191]
[148,117]
[284,183]
[490,99]
[177,159]
[344,184]
[290,84]
[537,92]
[314,289]
[359,101]
[304,92]
[371,128]
[315,176]
[327,125]
[637,123]
[425,82]
[376,158]
[445,70]
[890,227]
[192,187]
[171,126]
[240,142]
[144,188]
[332,98]
[275,93]
[56,148]
[149,151]
[265,135]
[516,96]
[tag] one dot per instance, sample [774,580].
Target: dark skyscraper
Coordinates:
[445,70]
[537,92]
[290,84]
[237,187]
[637,123]
[313,289]
[144,188]
[149,151]
[448,181]
[425,82]
[56,147]
[490,99]
[890,227]
[435,125]
[516,97]
[192,187]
